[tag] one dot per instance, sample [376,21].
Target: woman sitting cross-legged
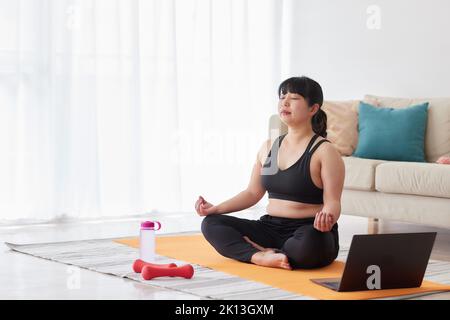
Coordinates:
[303,174]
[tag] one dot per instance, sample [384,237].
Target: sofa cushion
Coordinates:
[437,136]
[342,124]
[423,179]
[395,134]
[360,173]
[403,207]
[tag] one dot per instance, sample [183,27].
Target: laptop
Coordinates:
[384,261]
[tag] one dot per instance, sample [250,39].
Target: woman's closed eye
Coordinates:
[293,98]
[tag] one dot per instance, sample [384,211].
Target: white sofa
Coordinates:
[404,191]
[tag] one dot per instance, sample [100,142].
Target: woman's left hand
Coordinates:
[324,221]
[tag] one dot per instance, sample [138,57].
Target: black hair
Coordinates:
[311,91]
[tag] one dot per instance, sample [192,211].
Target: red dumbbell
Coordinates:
[139,264]
[150,272]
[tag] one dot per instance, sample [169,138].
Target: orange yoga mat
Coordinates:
[195,249]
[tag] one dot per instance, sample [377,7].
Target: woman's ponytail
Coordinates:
[319,123]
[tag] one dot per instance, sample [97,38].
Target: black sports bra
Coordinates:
[293,183]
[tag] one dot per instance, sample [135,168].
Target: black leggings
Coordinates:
[305,246]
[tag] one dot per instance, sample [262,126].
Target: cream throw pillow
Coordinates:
[342,124]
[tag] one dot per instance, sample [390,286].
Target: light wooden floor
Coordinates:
[26,277]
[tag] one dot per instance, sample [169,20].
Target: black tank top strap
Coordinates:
[311,142]
[277,140]
[317,145]
[280,138]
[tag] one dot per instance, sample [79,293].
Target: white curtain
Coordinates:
[122,107]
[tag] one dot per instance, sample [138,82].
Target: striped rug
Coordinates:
[108,257]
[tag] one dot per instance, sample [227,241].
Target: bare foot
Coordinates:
[267,257]
[271,259]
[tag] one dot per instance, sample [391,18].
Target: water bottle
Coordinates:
[147,240]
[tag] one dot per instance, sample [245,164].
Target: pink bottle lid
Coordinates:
[150,225]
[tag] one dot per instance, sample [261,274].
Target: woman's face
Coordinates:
[293,109]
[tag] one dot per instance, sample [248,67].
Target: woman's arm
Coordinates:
[332,174]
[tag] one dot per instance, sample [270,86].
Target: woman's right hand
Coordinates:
[204,208]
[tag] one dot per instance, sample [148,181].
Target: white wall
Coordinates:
[408,56]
